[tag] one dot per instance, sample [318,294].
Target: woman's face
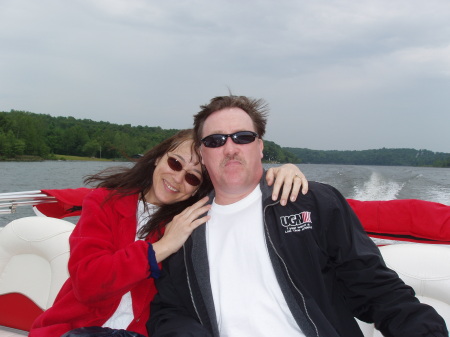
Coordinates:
[177,176]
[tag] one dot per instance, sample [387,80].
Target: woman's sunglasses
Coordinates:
[218,140]
[190,178]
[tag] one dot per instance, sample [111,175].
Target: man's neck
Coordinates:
[222,198]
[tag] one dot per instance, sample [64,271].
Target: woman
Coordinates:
[121,237]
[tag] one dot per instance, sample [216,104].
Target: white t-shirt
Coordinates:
[123,315]
[247,297]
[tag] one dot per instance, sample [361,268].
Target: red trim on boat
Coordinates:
[18,311]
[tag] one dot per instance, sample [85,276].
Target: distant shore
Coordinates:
[55,157]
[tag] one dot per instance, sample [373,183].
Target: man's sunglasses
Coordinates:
[218,140]
[175,165]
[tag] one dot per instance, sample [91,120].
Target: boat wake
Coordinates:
[377,188]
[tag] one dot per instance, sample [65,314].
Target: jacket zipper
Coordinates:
[189,285]
[285,267]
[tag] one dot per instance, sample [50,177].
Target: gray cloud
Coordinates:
[337,74]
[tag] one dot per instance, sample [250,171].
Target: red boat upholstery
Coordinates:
[404,220]
[34,252]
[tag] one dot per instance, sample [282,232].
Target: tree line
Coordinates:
[393,157]
[25,133]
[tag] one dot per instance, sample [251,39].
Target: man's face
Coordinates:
[235,169]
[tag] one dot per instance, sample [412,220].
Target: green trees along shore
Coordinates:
[25,136]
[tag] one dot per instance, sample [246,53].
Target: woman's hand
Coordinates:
[178,230]
[291,178]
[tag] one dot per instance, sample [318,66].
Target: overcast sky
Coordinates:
[338,75]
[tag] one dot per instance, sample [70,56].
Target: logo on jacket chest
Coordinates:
[296,222]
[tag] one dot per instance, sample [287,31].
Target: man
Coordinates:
[258,269]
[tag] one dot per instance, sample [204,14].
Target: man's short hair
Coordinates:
[257,109]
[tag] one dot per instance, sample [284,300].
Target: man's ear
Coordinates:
[261,145]
[201,155]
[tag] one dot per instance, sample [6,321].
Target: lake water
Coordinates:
[357,182]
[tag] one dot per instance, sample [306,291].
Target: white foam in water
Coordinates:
[439,194]
[377,188]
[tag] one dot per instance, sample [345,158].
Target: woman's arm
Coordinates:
[290,178]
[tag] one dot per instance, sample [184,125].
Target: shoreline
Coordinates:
[56,158]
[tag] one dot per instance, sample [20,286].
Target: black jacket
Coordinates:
[328,269]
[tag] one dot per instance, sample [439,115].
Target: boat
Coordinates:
[413,236]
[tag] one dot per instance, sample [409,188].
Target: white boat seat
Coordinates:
[34,253]
[426,268]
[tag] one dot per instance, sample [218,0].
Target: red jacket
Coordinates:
[105,263]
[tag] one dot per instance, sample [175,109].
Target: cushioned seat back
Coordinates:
[34,252]
[426,268]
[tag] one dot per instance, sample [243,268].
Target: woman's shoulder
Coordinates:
[110,199]
[98,194]
[101,192]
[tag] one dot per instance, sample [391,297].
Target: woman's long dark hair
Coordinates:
[138,178]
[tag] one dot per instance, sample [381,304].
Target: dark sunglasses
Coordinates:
[175,165]
[218,140]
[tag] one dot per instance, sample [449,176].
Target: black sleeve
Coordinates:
[374,292]
[171,313]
